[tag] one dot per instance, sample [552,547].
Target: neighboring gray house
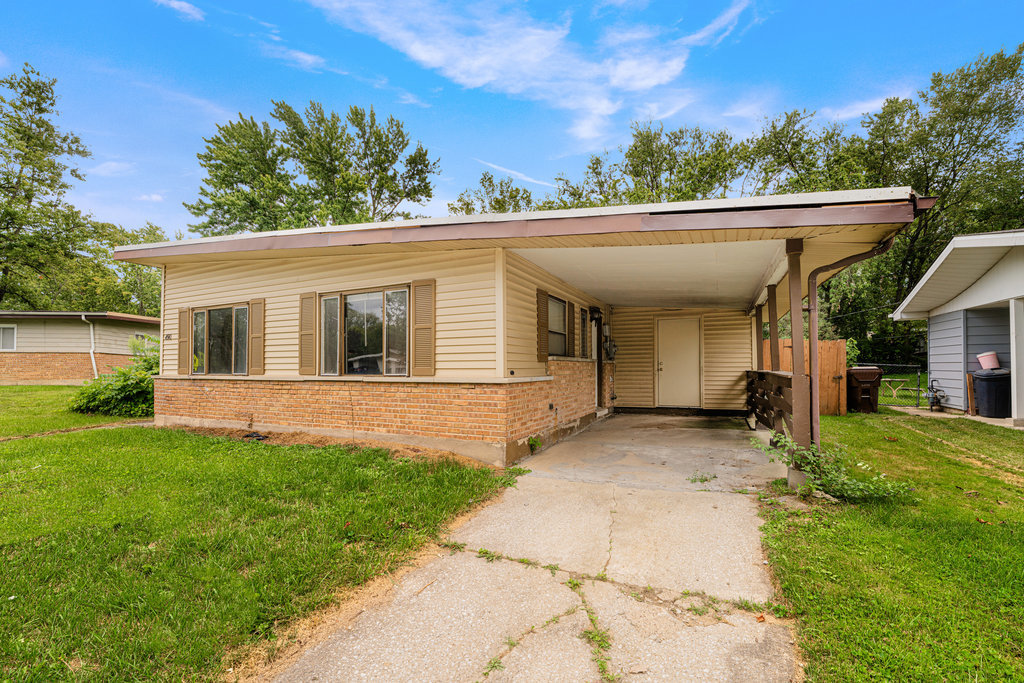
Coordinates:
[973,299]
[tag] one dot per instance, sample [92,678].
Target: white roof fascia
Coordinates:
[1006,238]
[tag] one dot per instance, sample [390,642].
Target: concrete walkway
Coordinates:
[626,551]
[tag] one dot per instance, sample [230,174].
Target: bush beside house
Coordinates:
[128,391]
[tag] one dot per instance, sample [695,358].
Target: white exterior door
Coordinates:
[678,372]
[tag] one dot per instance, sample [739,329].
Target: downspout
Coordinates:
[597,315]
[812,316]
[92,346]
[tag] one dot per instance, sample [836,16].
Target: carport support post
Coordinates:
[1017,361]
[773,327]
[801,381]
[758,341]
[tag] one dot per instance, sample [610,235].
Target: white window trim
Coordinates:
[14,327]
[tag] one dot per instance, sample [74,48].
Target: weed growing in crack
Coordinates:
[699,610]
[511,642]
[601,577]
[551,568]
[493,665]
[699,477]
[527,561]
[454,546]
[574,583]
[488,555]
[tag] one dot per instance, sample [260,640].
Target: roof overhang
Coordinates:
[962,263]
[78,315]
[719,220]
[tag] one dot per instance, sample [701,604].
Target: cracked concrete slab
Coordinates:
[550,521]
[445,623]
[556,654]
[650,642]
[708,542]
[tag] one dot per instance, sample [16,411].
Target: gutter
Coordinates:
[92,346]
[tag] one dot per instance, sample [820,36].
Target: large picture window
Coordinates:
[365,333]
[556,326]
[220,340]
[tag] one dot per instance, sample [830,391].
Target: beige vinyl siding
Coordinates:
[522,280]
[727,352]
[51,335]
[465,300]
[114,337]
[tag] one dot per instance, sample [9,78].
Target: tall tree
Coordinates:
[312,169]
[501,196]
[40,233]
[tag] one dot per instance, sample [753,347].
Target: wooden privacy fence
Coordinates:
[831,370]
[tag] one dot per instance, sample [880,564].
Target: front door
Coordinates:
[679,362]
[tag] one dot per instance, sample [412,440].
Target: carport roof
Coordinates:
[77,315]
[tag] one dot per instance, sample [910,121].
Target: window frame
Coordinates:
[565,326]
[12,326]
[205,310]
[342,345]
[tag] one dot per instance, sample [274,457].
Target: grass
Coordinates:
[136,553]
[36,409]
[924,591]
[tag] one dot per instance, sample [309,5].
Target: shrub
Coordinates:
[128,391]
[827,471]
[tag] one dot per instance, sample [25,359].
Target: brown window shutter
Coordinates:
[584,329]
[542,326]
[422,293]
[570,330]
[307,333]
[257,314]
[184,337]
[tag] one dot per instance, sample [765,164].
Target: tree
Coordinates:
[247,185]
[40,233]
[503,196]
[312,170]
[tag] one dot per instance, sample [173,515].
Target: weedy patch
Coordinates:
[699,477]
[489,555]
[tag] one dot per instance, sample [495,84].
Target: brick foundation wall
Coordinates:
[29,366]
[501,414]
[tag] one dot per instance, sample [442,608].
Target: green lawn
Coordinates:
[139,553]
[35,409]
[932,590]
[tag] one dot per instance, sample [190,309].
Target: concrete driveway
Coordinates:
[628,551]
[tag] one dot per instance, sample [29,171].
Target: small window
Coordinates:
[584,332]
[556,327]
[366,333]
[8,337]
[220,341]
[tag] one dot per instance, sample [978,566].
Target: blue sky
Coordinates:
[530,87]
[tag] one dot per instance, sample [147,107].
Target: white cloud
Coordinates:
[185,9]
[720,27]
[4,61]
[515,174]
[854,110]
[113,169]
[409,98]
[625,35]
[150,197]
[666,106]
[297,58]
[501,48]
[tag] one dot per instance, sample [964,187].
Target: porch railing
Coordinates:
[770,399]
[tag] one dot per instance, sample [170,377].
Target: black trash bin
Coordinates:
[862,388]
[992,392]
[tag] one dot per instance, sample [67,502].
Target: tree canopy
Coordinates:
[309,169]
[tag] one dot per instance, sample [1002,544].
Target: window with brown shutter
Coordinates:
[184,348]
[257,316]
[570,331]
[422,326]
[584,332]
[307,333]
[542,326]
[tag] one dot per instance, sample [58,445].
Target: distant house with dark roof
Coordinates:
[67,347]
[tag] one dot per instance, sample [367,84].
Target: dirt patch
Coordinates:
[267,659]
[105,425]
[296,438]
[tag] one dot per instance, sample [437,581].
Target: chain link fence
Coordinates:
[902,385]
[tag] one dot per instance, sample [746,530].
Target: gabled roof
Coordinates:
[749,218]
[89,315]
[962,263]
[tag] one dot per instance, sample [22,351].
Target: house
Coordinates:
[483,334]
[973,300]
[67,347]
